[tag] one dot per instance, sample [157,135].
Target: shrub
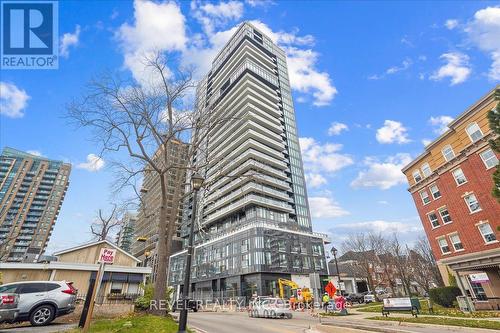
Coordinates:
[445,296]
[143,302]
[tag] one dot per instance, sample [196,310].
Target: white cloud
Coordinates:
[440,123]
[162,26]
[407,42]
[12,100]
[35,152]
[337,128]
[383,202]
[392,132]
[69,40]
[305,78]
[451,24]
[381,226]
[94,163]
[157,26]
[382,174]
[325,207]
[405,64]
[319,157]
[425,142]
[212,15]
[484,31]
[259,3]
[456,67]
[315,180]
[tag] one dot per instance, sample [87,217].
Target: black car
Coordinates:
[355,298]
[192,305]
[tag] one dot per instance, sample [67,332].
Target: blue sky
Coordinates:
[371,82]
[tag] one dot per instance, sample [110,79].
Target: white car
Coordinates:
[368,298]
[269,307]
[40,302]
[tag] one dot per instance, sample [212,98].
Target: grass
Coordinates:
[333,314]
[489,324]
[438,311]
[132,324]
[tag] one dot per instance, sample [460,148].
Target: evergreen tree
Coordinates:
[494,119]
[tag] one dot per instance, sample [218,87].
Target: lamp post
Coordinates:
[196,182]
[334,252]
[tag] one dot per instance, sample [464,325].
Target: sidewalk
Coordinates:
[358,320]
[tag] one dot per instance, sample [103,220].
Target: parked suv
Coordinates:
[40,302]
[8,307]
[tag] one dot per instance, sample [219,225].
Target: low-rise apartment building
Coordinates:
[451,183]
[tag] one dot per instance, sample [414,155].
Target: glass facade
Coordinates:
[253,220]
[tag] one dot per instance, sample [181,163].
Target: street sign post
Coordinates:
[106,256]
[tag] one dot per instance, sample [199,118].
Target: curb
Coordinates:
[363,327]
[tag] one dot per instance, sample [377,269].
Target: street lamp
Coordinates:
[196,182]
[334,252]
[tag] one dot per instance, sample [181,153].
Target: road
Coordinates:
[231,322]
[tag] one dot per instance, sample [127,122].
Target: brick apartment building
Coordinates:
[451,185]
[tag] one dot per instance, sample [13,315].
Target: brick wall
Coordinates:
[480,183]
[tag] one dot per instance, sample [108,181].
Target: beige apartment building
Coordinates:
[32,189]
[146,226]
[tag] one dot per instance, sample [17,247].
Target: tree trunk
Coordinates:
[162,251]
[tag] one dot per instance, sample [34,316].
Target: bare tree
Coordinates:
[400,256]
[103,226]
[142,120]
[139,123]
[358,245]
[423,265]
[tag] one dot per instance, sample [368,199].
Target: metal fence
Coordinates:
[110,298]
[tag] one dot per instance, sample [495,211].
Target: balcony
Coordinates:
[248,199]
[226,167]
[250,187]
[271,145]
[30,225]
[250,176]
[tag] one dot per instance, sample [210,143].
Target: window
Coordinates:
[268,258]
[489,158]
[426,170]
[244,245]
[472,203]
[244,261]
[457,243]
[448,153]
[116,287]
[425,197]
[445,215]
[28,288]
[433,219]
[283,261]
[474,132]
[435,191]
[9,289]
[133,288]
[416,176]
[459,176]
[487,232]
[443,244]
